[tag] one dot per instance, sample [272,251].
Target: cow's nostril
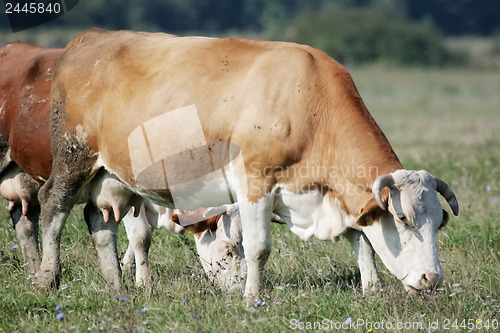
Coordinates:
[433,279]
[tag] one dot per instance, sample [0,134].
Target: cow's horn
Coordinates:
[378,185]
[448,194]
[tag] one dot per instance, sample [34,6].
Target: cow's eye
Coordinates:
[401,218]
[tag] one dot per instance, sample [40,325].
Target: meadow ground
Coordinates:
[445,121]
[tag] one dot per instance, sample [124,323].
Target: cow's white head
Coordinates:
[402,226]
[220,249]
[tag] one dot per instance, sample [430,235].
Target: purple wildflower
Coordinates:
[185,298]
[123,299]
[455,182]
[257,303]
[488,188]
[15,246]
[144,309]
[348,320]
[196,316]
[60,316]
[58,307]
[133,265]
[495,200]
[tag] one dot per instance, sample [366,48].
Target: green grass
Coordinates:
[444,121]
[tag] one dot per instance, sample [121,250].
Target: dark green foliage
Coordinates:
[354,36]
[457,17]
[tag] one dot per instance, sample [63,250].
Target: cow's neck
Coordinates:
[359,152]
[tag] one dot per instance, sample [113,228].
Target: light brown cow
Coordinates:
[279,127]
[26,161]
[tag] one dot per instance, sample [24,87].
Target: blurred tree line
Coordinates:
[357,31]
[452,17]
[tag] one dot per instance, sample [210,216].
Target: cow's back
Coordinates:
[26,73]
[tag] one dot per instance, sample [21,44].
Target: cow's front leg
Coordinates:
[365,254]
[27,233]
[104,239]
[255,220]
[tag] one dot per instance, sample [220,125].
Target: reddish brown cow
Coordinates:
[25,79]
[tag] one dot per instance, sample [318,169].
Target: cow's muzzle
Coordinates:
[429,282]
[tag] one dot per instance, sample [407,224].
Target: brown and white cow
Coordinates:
[198,122]
[26,161]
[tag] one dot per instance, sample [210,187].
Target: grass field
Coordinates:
[445,121]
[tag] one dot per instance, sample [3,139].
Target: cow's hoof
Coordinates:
[146,281]
[373,288]
[253,300]
[46,280]
[32,268]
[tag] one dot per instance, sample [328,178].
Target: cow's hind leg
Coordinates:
[55,208]
[72,168]
[128,258]
[255,219]
[27,233]
[366,260]
[104,239]
[139,233]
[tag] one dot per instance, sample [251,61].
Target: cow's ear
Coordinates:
[199,227]
[370,212]
[446,218]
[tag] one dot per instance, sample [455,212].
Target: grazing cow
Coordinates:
[25,163]
[220,249]
[25,79]
[198,122]
[218,241]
